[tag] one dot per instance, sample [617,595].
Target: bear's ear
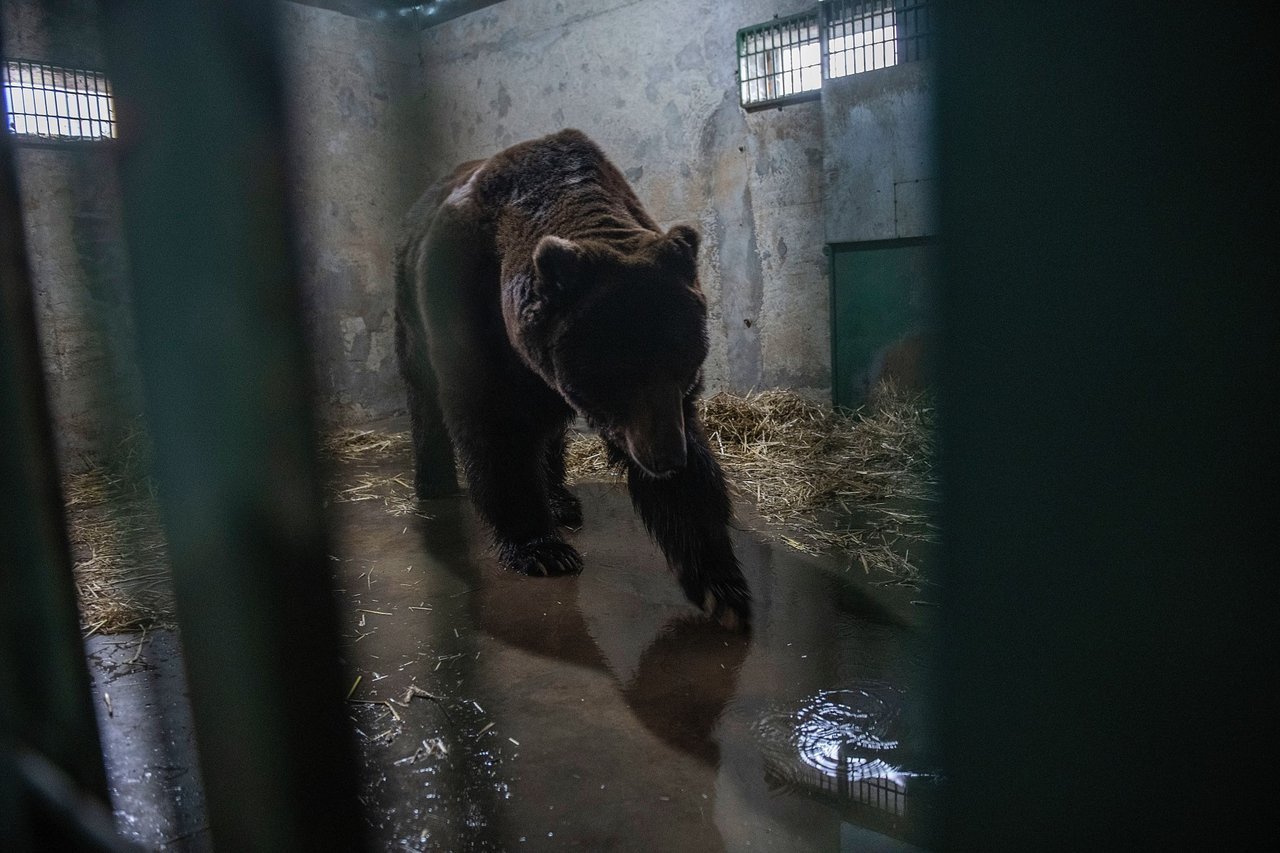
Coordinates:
[683,241]
[558,261]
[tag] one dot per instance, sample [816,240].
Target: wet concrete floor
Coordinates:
[598,712]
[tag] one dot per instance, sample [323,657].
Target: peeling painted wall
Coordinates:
[880,185]
[653,83]
[879,155]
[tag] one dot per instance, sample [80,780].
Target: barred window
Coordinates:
[780,60]
[49,102]
[866,36]
[786,60]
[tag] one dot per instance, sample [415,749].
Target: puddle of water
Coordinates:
[601,712]
[852,746]
[498,712]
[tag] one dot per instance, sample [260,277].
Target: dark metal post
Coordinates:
[1108,397]
[227,385]
[46,713]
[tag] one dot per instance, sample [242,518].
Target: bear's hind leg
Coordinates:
[434,472]
[508,481]
[565,506]
[688,515]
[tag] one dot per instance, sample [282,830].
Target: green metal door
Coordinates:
[880,309]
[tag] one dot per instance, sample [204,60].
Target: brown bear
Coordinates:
[530,287]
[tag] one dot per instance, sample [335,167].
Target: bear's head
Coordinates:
[624,335]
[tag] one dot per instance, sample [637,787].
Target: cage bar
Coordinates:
[224,369]
[50,753]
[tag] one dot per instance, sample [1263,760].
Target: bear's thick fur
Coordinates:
[532,286]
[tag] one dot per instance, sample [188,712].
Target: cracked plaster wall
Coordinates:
[653,83]
[379,111]
[879,160]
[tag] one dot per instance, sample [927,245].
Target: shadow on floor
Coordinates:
[598,712]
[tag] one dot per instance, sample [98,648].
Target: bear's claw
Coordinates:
[545,556]
[729,603]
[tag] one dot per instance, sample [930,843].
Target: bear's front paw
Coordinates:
[544,556]
[566,509]
[727,601]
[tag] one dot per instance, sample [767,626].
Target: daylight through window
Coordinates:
[787,59]
[780,60]
[53,103]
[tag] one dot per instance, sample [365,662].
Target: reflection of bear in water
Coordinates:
[531,286]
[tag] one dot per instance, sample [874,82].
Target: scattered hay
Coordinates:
[858,483]
[353,445]
[825,480]
[119,559]
[395,492]
[394,489]
[586,459]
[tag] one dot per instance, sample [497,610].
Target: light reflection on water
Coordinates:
[846,742]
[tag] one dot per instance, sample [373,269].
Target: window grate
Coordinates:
[867,36]
[53,103]
[787,59]
[780,61]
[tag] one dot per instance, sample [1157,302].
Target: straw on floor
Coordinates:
[120,563]
[856,484]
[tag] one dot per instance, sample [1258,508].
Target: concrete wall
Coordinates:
[653,83]
[878,155]
[76,253]
[357,164]
[75,246]
[880,173]
[380,110]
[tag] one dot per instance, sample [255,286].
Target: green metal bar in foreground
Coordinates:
[226,380]
[46,711]
[1108,401]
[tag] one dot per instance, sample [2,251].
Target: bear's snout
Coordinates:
[655,437]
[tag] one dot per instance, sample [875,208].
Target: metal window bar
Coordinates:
[865,36]
[781,61]
[786,60]
[50,102]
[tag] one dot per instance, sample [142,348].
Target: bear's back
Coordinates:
[561,185]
